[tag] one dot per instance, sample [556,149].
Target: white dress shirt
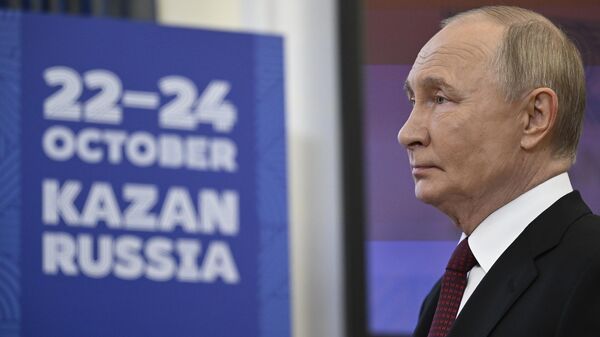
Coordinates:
[498,231]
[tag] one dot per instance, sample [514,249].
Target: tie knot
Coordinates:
[462,259]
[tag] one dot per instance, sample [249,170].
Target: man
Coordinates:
[498,98]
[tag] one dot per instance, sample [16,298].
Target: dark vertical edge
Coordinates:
[142,10]
[353,207]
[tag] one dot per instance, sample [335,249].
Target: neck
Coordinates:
[470,213]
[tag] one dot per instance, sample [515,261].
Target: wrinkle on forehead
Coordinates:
[475,52]
[462,55]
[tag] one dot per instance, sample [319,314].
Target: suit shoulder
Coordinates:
[582,239]
[586,229]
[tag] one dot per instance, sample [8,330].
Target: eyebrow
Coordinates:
[407,88]
[433,83]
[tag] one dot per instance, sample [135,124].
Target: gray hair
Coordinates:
[534,53]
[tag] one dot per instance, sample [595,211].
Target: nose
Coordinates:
[414,132]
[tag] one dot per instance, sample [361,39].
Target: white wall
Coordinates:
[312,104]
[224,14]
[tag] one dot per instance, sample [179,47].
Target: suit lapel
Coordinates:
[427,311]
[500,288]
[515,270]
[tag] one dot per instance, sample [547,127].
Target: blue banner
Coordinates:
[145,184]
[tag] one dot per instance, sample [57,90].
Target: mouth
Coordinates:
[422,169]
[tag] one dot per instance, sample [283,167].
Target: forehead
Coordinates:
[461,52]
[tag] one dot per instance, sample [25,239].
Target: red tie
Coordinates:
[453,286]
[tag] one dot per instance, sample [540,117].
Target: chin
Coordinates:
[427,194]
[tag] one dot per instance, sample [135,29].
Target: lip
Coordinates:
[420,170]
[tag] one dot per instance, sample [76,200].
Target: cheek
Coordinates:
[464,154]
[486,156]
[500,142]
[456,142]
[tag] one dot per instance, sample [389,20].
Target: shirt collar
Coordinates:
[498,231]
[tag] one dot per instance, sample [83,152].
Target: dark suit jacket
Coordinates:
[547,283]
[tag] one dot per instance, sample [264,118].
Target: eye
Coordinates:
[440,99]
[412,101]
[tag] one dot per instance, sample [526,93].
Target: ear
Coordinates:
[540,116]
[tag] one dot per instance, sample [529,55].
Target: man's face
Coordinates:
[462,137]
